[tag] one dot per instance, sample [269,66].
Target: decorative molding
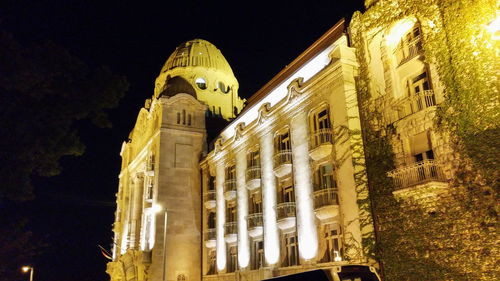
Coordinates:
[293,89]
[264,112]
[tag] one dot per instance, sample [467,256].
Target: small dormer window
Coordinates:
[222,87]
[201,83]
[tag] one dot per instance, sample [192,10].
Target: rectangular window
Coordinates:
[256,203]
[232,259]
[325,177]
[282,142]
[333,242]
[258,254]
[211,263]
[291,249]
[230,172]
[286,192]
[253,159]
[231,212]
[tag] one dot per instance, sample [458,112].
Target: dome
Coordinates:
[197,52]
[198,68]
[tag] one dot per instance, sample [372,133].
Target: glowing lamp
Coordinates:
[25,268]
[156,208]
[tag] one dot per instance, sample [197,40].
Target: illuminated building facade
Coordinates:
[284,188]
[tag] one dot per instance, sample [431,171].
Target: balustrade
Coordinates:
[417,173]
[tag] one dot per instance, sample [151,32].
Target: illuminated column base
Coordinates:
[271,233]
[306,227]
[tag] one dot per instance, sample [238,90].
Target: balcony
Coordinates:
[253,177]
[326,203]
[230,189]
[405,52]
[419,180]
[321,144]
[210,238]
[286,215]
[209,199]
[150,169]
[231,232]
[255,225]
[415,103]
[282,163]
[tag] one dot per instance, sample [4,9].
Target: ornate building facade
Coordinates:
[287,186]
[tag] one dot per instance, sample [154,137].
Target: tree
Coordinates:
[44,90]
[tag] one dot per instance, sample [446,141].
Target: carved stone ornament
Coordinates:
[218,145]
[238,131]
[264,111]
[293,89]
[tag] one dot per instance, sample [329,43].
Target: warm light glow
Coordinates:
[306,228]
[156,208]
[26,268]
[398,30]
[307,71]
[221,217]
[494,28]
[243,241]
[337,257]
[271,234]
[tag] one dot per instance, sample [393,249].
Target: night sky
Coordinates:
[73,212]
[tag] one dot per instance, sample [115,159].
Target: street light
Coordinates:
[30,269]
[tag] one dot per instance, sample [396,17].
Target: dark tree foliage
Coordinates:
[44,90]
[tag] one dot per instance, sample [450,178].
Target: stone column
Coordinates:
[243,241]
[306,227]
[271,233]
[221,215]
[137,211]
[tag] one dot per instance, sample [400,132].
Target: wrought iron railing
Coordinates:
[417,173]
[230,185]
[282,157]
[415,103]
[209,196]
[325,197]
[210,234]
[254,220]
[285,210]
[253,173]
[320,137]
[407,51]
[231,227]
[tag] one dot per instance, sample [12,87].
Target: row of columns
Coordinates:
[306,226]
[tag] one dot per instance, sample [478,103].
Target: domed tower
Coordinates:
[198,68]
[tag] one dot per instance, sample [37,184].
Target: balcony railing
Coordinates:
[325,197]
[231,228]
[254,220]
[416,103]
[418,173]
[209,195]
[282,157]
[320,137]
[210,234]
[253,173]
[285,210]
[230,185]
[407,51]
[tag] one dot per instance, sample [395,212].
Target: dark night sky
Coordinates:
[74,211]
